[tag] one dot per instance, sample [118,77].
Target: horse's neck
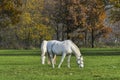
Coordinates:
[76,51]
[77,54]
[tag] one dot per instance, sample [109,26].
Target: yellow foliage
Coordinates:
[81,36]
[26,18]
[102,16]
[35,33]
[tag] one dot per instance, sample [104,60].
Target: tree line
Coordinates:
[25,23]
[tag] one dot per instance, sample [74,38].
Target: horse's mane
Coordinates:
[75,48]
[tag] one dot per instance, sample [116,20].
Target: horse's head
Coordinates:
[80,62]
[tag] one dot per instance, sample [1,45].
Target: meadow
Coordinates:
[100,64]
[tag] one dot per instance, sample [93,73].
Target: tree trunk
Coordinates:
[63,33]
[86,39]
[57,32]
[92,38]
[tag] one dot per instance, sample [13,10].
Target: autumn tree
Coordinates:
[53,16]
[95,20]
[10,12]
[22,24]
[31,29]
[63,14]
[112,10]
[115,13]
[81,18]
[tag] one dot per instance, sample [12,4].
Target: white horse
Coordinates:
[63,48]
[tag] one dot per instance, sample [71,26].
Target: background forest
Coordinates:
[89,23]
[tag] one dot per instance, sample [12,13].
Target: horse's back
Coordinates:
[60,47]
[53,44]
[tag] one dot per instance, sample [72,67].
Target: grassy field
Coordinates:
[100,64]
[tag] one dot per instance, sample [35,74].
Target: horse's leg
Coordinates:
[69,56]
[43,57]
[48,61]
[52,60]
[62,59]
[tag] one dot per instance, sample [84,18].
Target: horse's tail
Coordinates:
[44,47]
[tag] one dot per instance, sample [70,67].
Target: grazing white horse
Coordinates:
[63,48]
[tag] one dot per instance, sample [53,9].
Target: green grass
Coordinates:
[100,64]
